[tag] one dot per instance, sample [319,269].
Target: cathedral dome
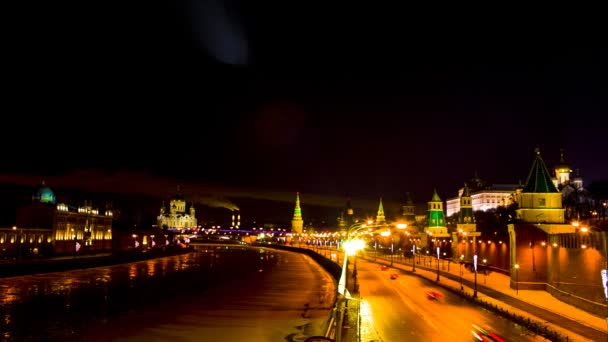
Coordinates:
[44,194]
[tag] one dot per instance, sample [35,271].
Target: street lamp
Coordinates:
[437,263]
[414,258]
[475,267]
[485,271]
[19,237]
[461,261]
[516,278]
[392,249]
[350,248]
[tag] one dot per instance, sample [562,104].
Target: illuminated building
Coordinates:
[297,223]
[436,224]
[539,201]
[483,197]
[177,217]
[380,219]
[65,228]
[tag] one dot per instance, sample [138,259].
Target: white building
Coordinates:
[490,197]
[177,217]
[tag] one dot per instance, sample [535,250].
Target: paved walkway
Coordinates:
[539,306]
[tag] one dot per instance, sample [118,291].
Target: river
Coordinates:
[216,293]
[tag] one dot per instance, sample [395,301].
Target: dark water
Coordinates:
[73,305]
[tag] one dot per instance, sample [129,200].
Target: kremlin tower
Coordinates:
[380,219]
[297,224]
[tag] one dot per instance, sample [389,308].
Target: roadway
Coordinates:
[399,309]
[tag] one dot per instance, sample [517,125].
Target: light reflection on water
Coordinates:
[65,305]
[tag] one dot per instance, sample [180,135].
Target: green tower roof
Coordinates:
[435,196]
[539,179]
[297,212]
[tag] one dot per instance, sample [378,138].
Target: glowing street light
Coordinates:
[516,278]
[350,249]
[414,258]
[461,261]
[438,263]
[475,267]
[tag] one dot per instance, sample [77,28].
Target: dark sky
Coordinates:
[312,99]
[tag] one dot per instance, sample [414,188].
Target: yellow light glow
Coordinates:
[352,246]
[401,225]
[575,224]
[584,229]
[517,266]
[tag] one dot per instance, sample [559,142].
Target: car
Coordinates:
[433,295]
[384,267]
[394,276]
[480,334]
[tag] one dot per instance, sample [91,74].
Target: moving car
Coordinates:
[480,334]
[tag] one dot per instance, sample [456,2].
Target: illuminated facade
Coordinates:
[177,217]
[491,197]
[82,227]
[297,223]
[68,228]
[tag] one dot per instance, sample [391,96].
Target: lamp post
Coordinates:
[437,264]
[414,258]
[19,237]
[517,279]
[475,267]
[485,271]
[461,261]
[392,248]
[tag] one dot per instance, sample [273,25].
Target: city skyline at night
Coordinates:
[230,100]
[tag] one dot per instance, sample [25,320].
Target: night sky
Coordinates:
[234,98]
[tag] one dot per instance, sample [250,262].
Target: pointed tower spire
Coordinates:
[380,219]
[436,224]
[539,201]
[409,210]
[297,212]
[297,224]
[539,179]
[465,215]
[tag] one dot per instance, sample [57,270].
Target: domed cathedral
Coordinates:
[576,200]
[65,228]
[177,217]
